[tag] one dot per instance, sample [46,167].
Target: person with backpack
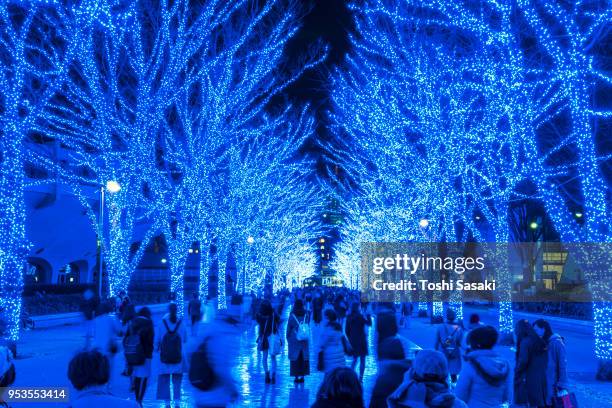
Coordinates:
[268,338]
[298,339]
[448,341]
[556,369]
[169,339]
[194,310]
[212,353]
[355,331]
[138,350]
[485,379]
[530,367]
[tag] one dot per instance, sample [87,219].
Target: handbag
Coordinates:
[566,401]
[320,361]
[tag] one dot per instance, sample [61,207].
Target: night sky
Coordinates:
[327,23]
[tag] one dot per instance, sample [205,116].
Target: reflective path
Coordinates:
[45,355]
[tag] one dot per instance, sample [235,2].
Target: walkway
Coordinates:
[46,354]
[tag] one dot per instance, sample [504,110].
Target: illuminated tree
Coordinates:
[37,46]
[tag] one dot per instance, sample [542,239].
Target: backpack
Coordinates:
[201,373]
[303,331]
[171,351]
[449,344]
[133,350]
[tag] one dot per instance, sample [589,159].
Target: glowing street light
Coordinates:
[424,223]
[533,225]
[113,186]
[250,240]
[164,260]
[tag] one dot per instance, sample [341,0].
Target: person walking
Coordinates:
[268,321]
[355,330]
[394,354]
[426,384]
[212,353]
[89,373]
[107,330]
[298,339]
[485,379]
[556,369]
[317,308]
[330,343]
[448,340]
[169,339]
[89,304]
[530,367]
[138,350]
[340,389]
[474,323]
[194,310]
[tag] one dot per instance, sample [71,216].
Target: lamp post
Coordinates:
[112,187]
[250,241]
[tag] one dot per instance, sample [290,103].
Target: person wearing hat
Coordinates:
[425,385]
[485,379]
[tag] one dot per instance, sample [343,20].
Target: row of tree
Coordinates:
[452,110]
[172,101]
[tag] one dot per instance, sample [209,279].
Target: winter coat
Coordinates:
[424,394]
[107,328]
[385,320]
[485,380]
[556,370]
[454,333]
[355,332]
[295,346]
[268,324]
[390,376]
[395,348]
[324,403]
[143,326]
[330,343]
[317,308]
[222,349]
[530,372]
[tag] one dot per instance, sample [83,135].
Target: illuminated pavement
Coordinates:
[46,354]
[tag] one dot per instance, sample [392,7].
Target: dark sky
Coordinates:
[327,22]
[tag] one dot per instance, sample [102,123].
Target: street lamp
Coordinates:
[250,240]
[112,187]
[533,225]
[424,223]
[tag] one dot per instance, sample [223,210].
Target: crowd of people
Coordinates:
[324,330]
